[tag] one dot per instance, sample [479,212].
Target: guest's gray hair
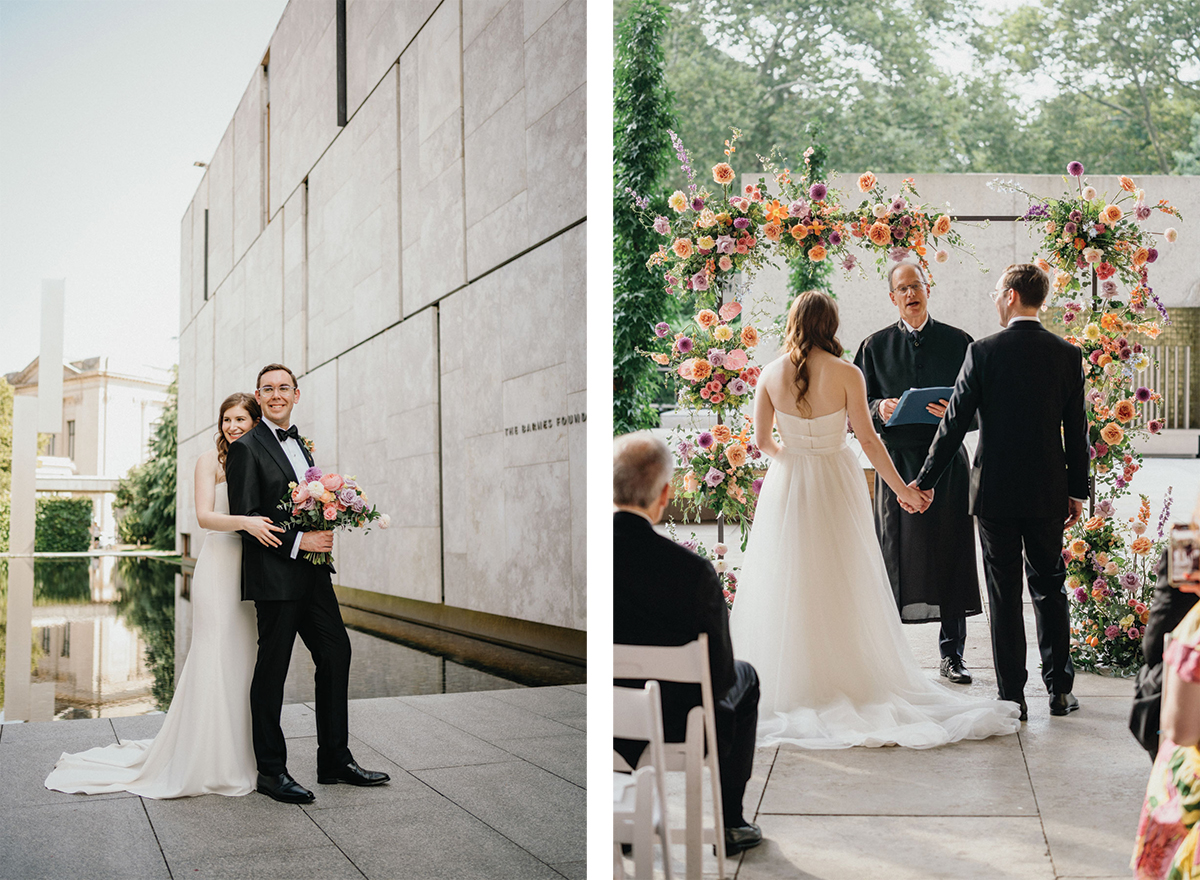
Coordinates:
[902,263]
[642,465]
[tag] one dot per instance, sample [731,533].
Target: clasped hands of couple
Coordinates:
[886,408]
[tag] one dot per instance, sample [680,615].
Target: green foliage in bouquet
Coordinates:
[721,474]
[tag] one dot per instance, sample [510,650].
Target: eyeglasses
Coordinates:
[909,288]
[999,292]
[268,390]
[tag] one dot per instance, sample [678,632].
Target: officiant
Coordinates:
[930,557]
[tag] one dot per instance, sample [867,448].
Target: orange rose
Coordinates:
[701,369]
[723,173]
[1111,214]
[799,231]
[942,225]
[735,454]
[880,233]
[866,181]
[1094,523]
[1124,411]
[682,248]
[1127,183]
[722,434]
[816,253]
[772,231]
[1142,546]
[1112,434]
[706,318]
[1140,256]
[1104,360]
[1043,265]
[749,337]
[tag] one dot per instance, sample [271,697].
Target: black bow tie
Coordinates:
[290,432]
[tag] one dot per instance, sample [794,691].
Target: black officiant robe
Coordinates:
[930,557]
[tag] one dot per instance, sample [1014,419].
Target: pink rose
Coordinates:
[330,511]
[332,482]
[300,493]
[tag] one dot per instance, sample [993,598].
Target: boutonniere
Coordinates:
[308,444]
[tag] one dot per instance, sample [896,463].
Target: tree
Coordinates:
[1188,161]
[641,118]
[146,495]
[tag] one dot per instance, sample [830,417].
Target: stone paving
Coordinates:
[485,786]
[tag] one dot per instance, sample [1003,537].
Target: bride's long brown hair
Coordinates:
[246,402]
[812,322]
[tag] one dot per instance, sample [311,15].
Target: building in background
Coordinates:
[397,212]
[110,407]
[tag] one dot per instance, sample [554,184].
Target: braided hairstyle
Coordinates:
[246,402]
[812,322]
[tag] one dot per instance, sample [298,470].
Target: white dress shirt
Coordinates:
[291,448]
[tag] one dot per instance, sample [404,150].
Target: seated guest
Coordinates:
[663,594]
[1169,830]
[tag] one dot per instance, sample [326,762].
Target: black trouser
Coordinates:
[1039,542]
[736,722]
[952,638]
[318,621]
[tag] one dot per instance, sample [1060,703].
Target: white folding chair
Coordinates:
[640,800]
[687,664]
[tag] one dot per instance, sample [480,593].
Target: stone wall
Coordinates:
[422,271]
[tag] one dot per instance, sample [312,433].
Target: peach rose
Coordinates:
[799,231]
[701,369]
[690,482]
[678,202]
[749,337]
[706,318]
[726,263]
[772,231]
[1112,434]
[866,181]
[682,248]
[1043,265]
[707,218]
[880,234]
[816,253]
[1124,411]
[1127,183]
[1142,546]
[723,173]
[1140,256]
[942,225]
[722,433]
[735,454]
[1094,523]
[1078,548]
[1111,214]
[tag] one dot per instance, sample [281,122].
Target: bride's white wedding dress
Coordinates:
[204,745]
[815,615]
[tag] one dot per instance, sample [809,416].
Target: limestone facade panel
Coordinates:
[377,31]
[248,166]
[220,212]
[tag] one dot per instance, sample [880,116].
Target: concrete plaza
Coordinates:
[485,786]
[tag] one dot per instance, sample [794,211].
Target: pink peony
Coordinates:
[332,482]
[300,493]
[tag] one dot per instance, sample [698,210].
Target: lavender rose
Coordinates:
[714,477]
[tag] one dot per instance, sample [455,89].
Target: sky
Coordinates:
[104,107]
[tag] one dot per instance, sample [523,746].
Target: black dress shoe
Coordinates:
[1063,704]
[351,774]
[284,789]
[741,838]
[954,669]
[1024,710]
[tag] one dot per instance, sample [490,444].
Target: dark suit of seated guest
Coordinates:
[663,594]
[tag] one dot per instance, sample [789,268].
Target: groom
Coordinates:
[1028,479]
[291,596]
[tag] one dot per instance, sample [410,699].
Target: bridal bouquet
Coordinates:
[710,357]
[1110,582]
[709,235]
[324,502]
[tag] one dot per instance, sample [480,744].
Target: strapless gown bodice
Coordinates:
[801,436]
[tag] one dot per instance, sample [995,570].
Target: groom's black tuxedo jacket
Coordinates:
[664,594]
[258,473]
[1026,384]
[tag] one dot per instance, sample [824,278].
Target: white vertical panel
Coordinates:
[20,571]
[50,359]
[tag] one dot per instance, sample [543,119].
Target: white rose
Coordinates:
[720,565]
[1111,568]
[720,549]
[384,521]
[316,489]
[1092,255]
[880,211]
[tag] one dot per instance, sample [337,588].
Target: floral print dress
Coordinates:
[1169,829]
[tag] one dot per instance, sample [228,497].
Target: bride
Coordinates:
[814,613]
[203,746]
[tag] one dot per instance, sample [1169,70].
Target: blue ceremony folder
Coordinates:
[911,408]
